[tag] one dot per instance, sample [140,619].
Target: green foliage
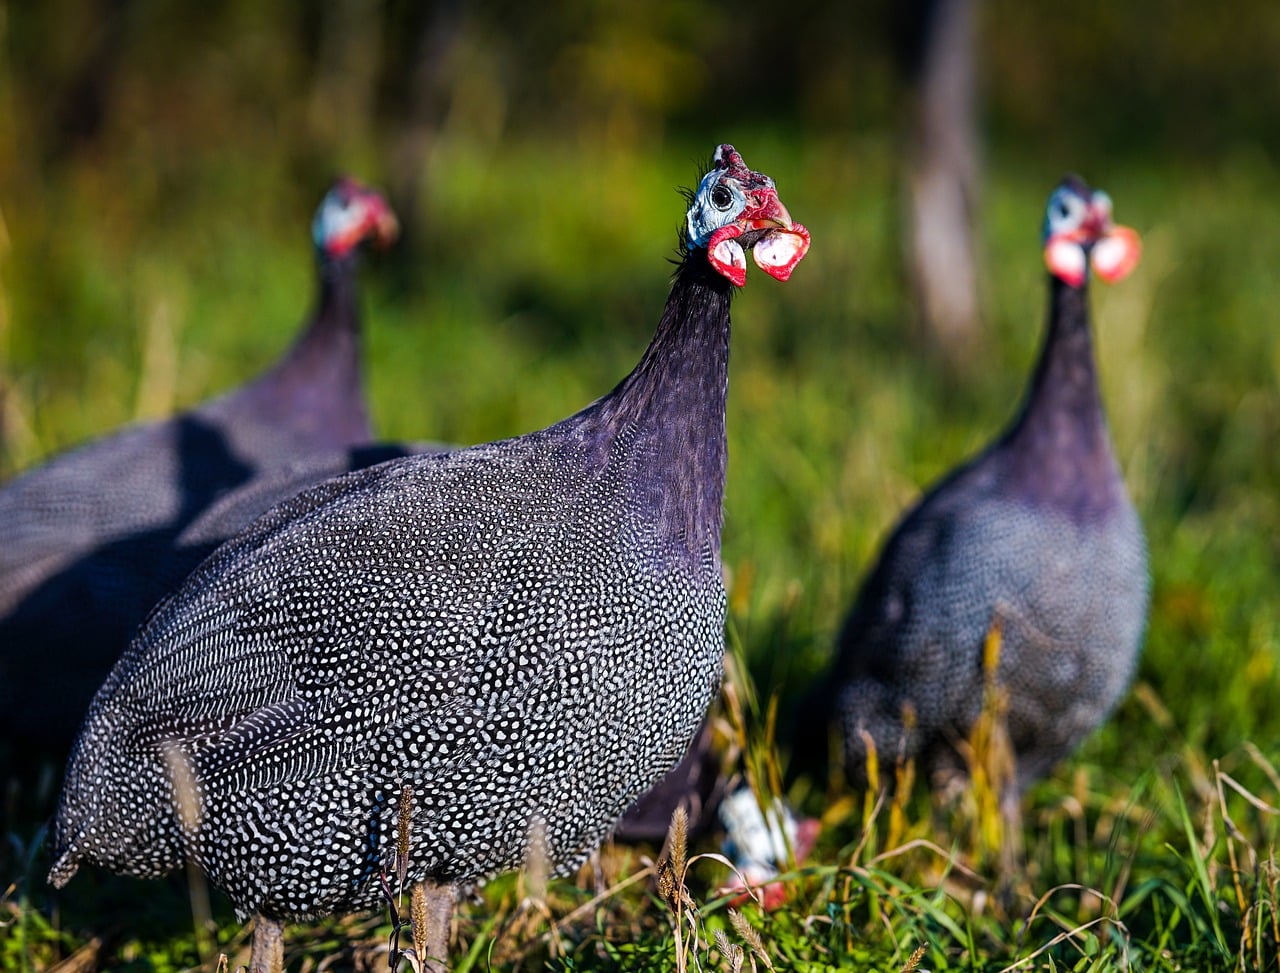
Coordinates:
[164,257]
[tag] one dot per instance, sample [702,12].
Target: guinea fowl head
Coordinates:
[351,214]
[1078,232]
[735,208]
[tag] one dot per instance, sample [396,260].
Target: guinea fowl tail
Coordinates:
[66,864]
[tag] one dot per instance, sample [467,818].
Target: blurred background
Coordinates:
[160,161]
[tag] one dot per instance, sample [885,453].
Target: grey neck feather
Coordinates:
[317,387]
[1059,451]
[668,415]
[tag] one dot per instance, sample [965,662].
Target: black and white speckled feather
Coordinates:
[526,633]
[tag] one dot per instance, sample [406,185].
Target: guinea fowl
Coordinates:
[87,541]
[239,507]
[520,637]
[1037,535]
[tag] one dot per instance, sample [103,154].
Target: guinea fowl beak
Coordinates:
[777,243]
[386,228]
[1116,249]
[765,212]
[783,243]
[1097,220]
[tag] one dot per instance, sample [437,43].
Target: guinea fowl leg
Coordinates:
[431,914]
[267,955]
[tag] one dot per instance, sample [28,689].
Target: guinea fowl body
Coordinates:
[88,541]
[520,631]
[525,634]
[1038,534]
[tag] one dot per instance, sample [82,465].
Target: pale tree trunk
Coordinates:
[942,179]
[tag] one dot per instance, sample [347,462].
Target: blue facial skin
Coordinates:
[1069,207]
[334,216]
[717,203]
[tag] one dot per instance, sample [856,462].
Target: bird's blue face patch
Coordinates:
[338,216]
[1066,213]
[718,202]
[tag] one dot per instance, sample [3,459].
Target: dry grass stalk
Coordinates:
[671,887]
[914,962]
[532,908]
[418,922]
[730,951]
[749,936]
[678,842]
[991,763]
[404,825]
[189,807]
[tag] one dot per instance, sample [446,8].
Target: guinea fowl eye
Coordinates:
[1064,209]
[721,198]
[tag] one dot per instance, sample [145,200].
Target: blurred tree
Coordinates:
[84,96]
[935,44]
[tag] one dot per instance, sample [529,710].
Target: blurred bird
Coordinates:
[422,673]
[88,540]
[1036,537]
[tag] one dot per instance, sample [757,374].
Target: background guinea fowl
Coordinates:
[87,541]
[1037,532]
[524,634]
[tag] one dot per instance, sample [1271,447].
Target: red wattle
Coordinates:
[778,251]
[1116,254]
[1066,260]
[726,254]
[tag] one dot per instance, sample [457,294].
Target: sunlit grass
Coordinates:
[539,286]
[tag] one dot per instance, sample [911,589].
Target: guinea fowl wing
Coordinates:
[914,636]
[395,634]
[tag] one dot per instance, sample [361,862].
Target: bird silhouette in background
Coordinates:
[88,540]
[1036,536]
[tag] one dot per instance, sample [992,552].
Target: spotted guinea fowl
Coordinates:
[240,506]
[87,541]
[523,634]
[1037,534]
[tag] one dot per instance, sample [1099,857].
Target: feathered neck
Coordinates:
[317,387]
[1059,446]
[667,417]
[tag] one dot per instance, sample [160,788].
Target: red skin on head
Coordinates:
[378,224]
[1112,250]
[783,244]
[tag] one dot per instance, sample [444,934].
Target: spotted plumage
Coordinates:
[1036,533]
[524,633]
[88,541]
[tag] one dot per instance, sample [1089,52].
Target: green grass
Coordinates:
[130,293]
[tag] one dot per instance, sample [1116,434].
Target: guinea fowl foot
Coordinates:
[267,955]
